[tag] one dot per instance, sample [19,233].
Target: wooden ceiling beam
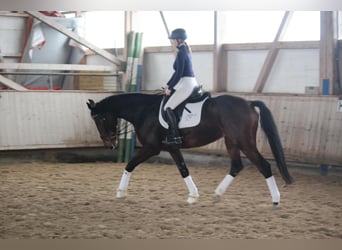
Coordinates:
[64,67]
[60,28]
[272,54]
[11,84]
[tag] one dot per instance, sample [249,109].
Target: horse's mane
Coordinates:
[131,99]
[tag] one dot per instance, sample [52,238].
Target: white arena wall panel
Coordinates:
[243,69]
[292,71]
[12,32]
[158,69]
[44,119]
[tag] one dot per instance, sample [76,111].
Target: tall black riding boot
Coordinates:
[173,136]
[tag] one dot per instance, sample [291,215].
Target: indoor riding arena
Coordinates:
[60,180]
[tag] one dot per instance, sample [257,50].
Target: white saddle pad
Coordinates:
[188,119]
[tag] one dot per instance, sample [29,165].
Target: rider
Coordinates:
[181,84]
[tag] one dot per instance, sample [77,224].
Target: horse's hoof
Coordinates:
[192,199]
[120,194]
[216,198]
[275,204]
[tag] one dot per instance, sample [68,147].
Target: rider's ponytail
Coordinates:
[188,47]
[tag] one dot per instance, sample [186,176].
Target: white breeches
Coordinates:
[183,89]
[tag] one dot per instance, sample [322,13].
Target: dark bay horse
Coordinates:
[227,116]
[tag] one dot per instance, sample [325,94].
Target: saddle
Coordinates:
[191,105]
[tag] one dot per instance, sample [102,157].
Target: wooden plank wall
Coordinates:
[310,127]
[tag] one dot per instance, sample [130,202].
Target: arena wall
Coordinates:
[310,127]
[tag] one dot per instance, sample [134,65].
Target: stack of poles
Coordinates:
[133,84]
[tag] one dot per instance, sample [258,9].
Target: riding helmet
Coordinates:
[178,34]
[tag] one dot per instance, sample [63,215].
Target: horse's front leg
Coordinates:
[142,155]
[193,191]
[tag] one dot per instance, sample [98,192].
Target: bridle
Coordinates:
[120,130]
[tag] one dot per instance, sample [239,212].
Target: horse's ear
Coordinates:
[91,104]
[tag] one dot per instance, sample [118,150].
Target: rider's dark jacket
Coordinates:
[182,66]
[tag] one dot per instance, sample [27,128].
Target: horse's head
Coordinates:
[106,124]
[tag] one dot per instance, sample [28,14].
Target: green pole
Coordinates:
[130,55]
[129,73]
[130,139]
[136,57]
[123,125]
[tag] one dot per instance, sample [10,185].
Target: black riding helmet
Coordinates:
[178,34]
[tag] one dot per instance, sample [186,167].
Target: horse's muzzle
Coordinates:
[110,142]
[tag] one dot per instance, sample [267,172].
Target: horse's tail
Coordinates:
[271,131]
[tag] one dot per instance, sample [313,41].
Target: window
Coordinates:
[251,26]
[151,24]
[303,26]
[199,26]
[105,29]
[339,25]
[262,26]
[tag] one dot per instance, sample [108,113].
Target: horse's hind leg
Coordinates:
[265,168]
[235,168]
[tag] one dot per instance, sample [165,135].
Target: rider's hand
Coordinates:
[167,90]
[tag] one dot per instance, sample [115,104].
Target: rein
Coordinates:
[122,131]
[119,131]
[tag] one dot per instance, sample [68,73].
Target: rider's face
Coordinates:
[174,43]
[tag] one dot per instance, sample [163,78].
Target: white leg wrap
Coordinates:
[272,186]
[193,192]
[191,185]
[121,192]
[222,187]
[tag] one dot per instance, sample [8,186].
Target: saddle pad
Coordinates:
[188,119]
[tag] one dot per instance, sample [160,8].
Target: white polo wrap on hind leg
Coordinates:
[191,186]
[272,186]
[222,187]
[124,180]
